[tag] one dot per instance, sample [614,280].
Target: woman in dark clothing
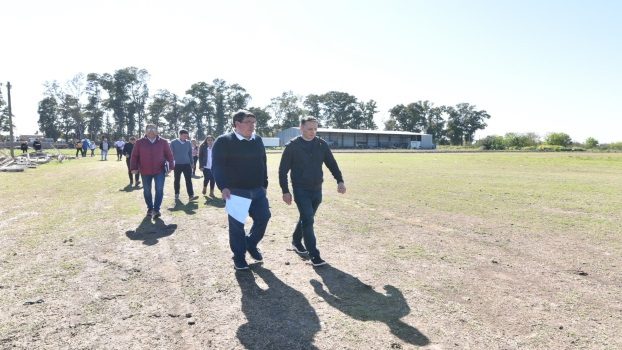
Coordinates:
[127,152]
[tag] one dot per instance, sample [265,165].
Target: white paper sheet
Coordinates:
[238,207]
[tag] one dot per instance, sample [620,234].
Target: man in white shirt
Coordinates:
[205,163]
[119,145]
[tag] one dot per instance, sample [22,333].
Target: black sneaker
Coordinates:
[299,248]
[317,261]
[156,214]
[240,265]
[149,212]
[255,253]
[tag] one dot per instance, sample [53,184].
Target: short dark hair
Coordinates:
[308,118]
[240,115]
[183,131]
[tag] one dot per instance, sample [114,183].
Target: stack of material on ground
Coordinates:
[7,164]
[19,163]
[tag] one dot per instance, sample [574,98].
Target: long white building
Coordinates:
[352,138]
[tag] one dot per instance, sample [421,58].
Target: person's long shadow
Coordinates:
[214,202]
[150,231]
[189,208]
[279,317]
[129,188]
[360,301]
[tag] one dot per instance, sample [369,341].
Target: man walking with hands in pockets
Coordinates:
[240,169]
[304,156]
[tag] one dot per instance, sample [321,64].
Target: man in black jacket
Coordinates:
[127,152]
[240,169]
[304,156]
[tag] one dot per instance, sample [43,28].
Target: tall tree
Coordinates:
[93,110]
[70,117]
[312,105]
[203,108]
[227,99]
[4,115]
[127,95]
[420,116]
[464,120]
[286,110]
[48,121]
[263,127]
[138,93]
[366,119]
[165,112]
[341,110]
[407,118]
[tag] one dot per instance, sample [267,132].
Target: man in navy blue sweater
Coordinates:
[239,168]
[304,156]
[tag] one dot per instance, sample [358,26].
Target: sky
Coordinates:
[535,66]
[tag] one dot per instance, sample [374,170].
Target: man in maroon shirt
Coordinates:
[151,157]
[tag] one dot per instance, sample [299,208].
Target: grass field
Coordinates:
[434,250]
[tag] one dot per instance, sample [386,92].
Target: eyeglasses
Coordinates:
[249,122]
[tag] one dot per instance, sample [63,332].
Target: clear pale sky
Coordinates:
[534,66]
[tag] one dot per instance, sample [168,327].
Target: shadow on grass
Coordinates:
[214,202]
[150,231]
[129,188]
[360,301]
[189,208]
[279,317]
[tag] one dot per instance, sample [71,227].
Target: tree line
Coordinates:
[557,141]
[120,104]
[4,114]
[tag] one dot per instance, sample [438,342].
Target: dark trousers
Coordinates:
[259,211]
[78,151]
[194,164]
[186,169]
[119,153]
[133,177]
[208,178]
[307,202]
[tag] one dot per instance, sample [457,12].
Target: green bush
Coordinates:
[591,142]
[556,148]
[517,141]
[558,139]
[491,142]
[615,146]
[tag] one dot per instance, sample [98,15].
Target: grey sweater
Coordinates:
[182,152]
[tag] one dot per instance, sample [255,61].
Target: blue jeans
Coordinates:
[307,202]
[259,211]
[159,190]
[104,155]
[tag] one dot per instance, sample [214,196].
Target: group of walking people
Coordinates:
[84,145]
[236,163]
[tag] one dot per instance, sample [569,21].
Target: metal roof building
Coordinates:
[353,138]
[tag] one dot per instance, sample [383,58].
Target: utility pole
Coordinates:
[8,90]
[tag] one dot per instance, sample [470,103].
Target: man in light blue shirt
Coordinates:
[182,153]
